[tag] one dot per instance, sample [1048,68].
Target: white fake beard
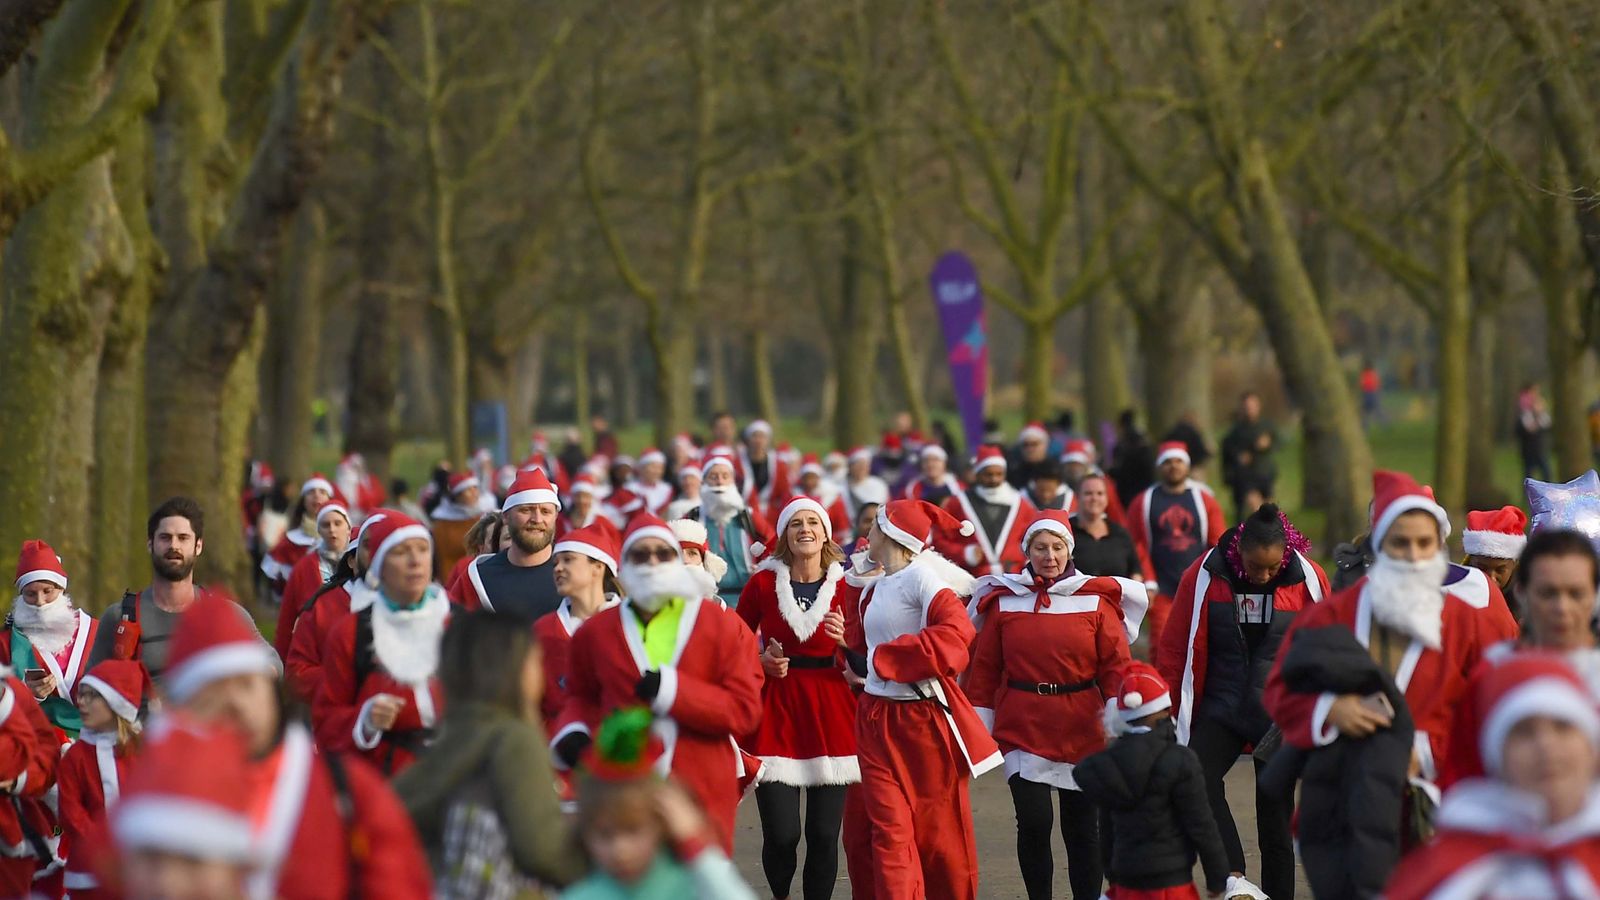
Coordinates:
[1001,495]
[722,502]
[1409,596]
[406,641]
[650,586]
[49,627]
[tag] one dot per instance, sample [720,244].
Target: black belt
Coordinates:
[1045,689]
[811,662]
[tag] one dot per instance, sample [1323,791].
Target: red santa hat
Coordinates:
[214,640]
[1170,450]
[583,484]
[911,523]
[835,458]
[860,454]
[891,442]
[462,481]
[714,458]
[1393,495]
[317,481]
[599,541]
[803,504]
[121,683]
[37,562]
[394,529]
[1530,684]
[1033,431]
[690,469]
[1496,534]
[810,465]
[1055,522]
[540,443]
[1141,692]
[646,525]
[652,455]
[933,451]
[1079,451]
[989,456]
[759,426]
[189,793]
[692,536]
[335,507]
[531,487]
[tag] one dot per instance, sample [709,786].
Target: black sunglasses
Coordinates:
[642,557]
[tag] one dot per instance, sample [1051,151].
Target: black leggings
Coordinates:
[779,805]
[1218,748]
[1080,831]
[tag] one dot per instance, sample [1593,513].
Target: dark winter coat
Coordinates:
[1351,562]
[1351,790]
[1155,794]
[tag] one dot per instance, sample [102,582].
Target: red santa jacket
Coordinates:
[928,659]
[554,632]
[303,666]
[710,692]
[978,553]
[305,579]
[1477,591]
[1071,635]
[68,666]
[344,694]
[1435,682]
[29,758]
[280,561]
[320,840]
[91,775]
[1184,653]
[1212,522]
[767,501]
[1490,843]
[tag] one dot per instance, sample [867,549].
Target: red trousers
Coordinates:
[857,835]
[914,786]
[1155,618]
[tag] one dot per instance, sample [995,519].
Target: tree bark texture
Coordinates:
[293,347]
[1175,346]
[1106,392]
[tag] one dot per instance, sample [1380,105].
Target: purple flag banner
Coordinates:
[956,293]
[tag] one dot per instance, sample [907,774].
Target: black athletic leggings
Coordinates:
[779,805]
[1218,748]
[1080,831]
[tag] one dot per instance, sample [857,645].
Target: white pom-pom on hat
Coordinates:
[1132,700]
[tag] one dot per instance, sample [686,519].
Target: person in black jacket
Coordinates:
[1154,792]
[1103,546]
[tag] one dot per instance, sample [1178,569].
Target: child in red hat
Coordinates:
[1155,792]
[94,768]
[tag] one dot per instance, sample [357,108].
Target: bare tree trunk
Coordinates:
[582,405]
[65,261]
[1105,362]
[1038,370]
[293,347]
[1481,438]
[717,363]
[527,374]
[1454,325]
[1565,344]
[1175,344]
[119,491]
[761,363]
[905,361]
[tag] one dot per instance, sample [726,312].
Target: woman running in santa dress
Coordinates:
[1051,644]
[586,576]
[807,736]
[918,739]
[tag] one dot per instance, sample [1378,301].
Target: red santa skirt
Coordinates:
[807,735]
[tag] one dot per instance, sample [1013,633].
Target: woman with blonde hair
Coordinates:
[806,741]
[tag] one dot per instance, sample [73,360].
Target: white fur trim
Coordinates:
[122,706]
[1052,526]
[713,462]
[395,539]
[1402,505]
[312,484]
[799,504]
[1493,544]
[759,426]
[572,728]
[897,534]
[55,578]
[182,825]
[668,694]
[1544,696]
[1323,734]
[366,737]
[803,622]
[715,565]
[1174,453]
[330,508]
[8,702]
[1144,707]
[221,661]
[689,531]
[814,772]
[537,495]
[589,550]
[649,531]
[954,577]
[990,462]
[933,451]
[471,481]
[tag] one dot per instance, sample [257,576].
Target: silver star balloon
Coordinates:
[1574,505]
